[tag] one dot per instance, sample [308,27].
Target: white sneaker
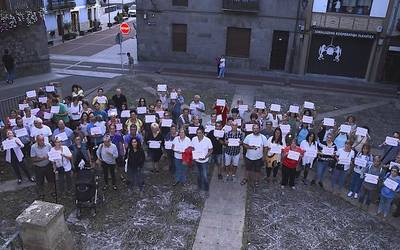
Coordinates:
[355,196]
[293,188]
[350,194]
[282,187]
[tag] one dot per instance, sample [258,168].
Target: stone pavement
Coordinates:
[12,185]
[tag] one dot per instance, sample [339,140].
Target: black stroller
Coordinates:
[86,191]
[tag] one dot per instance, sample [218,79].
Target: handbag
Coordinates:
[269,160]
[187,157]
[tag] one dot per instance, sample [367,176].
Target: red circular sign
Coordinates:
[124,28]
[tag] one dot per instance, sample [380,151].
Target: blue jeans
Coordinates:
[10,75]
[221,72]
[180,171]
[321,168]
[384,205]
[202,177]
[356,182]
[135,176]
[338,177]
[365,194]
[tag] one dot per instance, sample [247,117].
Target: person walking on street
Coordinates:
[9,65]
[222,65]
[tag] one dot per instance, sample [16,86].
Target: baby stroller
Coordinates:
[86,191]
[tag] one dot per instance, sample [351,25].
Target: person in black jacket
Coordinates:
[135,158]
[9,65]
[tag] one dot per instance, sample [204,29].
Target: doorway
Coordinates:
[75,21]
[280,42]
[392,64]
[60,24]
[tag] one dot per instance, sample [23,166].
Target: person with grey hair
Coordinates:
[197,107]
[66,134]
[40,129]
[41,164]
[107,154]
[62,164]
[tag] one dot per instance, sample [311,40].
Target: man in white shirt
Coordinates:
[256,145]
[202,147]
[197,107]
[40,129]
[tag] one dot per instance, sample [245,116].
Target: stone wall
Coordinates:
[28,46]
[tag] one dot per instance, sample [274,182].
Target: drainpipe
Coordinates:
[294,42]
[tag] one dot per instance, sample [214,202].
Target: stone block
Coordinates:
[346,23]
[332,21]
[42,226]
[360,23]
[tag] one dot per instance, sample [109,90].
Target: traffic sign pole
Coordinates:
[124,29]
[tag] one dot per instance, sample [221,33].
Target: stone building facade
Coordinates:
[27,44]
[324,37]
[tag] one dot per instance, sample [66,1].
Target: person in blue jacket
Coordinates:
[387,194]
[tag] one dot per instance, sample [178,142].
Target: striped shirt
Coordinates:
[233,150]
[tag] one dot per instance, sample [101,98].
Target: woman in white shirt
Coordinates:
[344,157]
[75,112]
[62,164]
[15,157]
[310,148]
[275,118]
[275,145]
[179,145]
[358,171]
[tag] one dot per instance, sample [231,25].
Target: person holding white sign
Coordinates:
[232,152]
[193,126]
[107,154]
[291,159]
[368,188]
[15,156]
[179,144]
[388,191]
[23,133]
[256,145]
[185,118]
[197,107]
[362,161]
[326,151]
[65,132]
[62,166]
[134,120]
[274,117]
[341,139]
[361,138]
[310,148]
[390,151]
[28,117]
[101,99]
[202,144]
[168,142]
[217,142]
[275,144]
[155,153]
[40,129]
[344,157]
[303,132]
[75,113]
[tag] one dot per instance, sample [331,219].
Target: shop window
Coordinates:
[358,7]
[179,37]
[238,42]
[180,3]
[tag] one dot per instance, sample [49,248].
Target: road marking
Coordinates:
[110,68]
[86,73]
[72,65]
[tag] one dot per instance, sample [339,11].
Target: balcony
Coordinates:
[251,6]
[91,2]
[13,5]
[60,4]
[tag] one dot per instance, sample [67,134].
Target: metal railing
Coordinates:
[13,5]
[241,5]
[61,4]
[13,243]
[6,105]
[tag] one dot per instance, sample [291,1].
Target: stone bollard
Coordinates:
[42,226]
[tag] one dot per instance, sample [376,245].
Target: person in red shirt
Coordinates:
[223,111]
[291,158]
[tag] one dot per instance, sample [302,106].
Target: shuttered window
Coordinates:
[238,42]
[179,36]
[180,2]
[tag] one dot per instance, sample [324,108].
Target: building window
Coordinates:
[179,36]
[358,7]
[180,3]
[238,42]
[3,5]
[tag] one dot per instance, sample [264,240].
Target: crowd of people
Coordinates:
[60,136]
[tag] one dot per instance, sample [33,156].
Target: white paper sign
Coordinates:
[391,141]
[219,118]
[50,89]
[23,106]
[285,128]
[47,115]
[13,122]
[227,128]
[55,109]
[275,107]
[361,131]
[35,111]
[43,99]
[118,126]
[370,178]
[95,131]
[209,128]
[219,133]
[260,105]
[328,151]
[311,153]
[238,122]
[141,110]
[197,155]
[162,87]
[243,107]
[9,144]
[150,118]
[344,161]
[168,144]
[154,144]
[31,93]
[62,136]
[254,142]
[232,142]
[391,184]
[101,99]
[275,149]
[193,130]
[160,113]
[54,155]
[309,105]
[394,164]
[308,119]
[345,128]
[249,127]
[173,95]
[193,106]
[294,109]
[293,155]
[21,132]
[167,123]
[221,102]
[112,112]
[358,161]
[126,113]
[329,122]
